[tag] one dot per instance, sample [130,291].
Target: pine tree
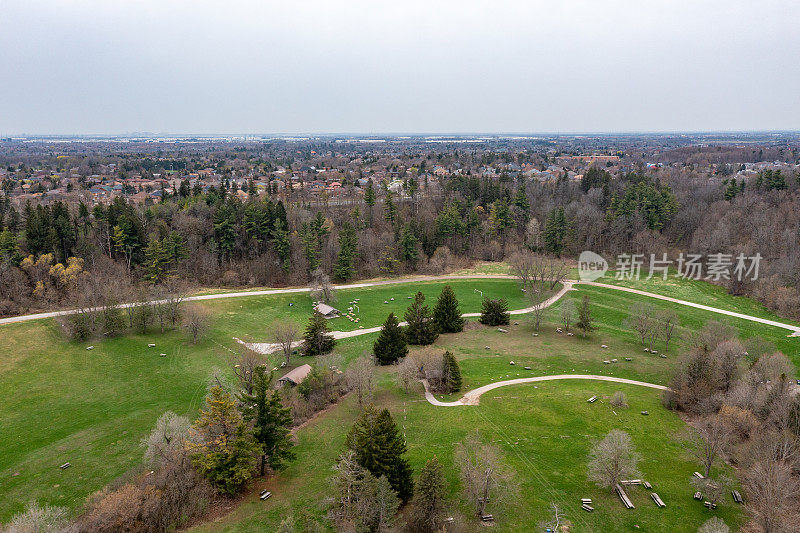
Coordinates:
[271,420]
[421,329]
[345,268]
[223,449]
[555,230]
[522,204]
[430,498]
[379,447]
[280,240]
[369,199]
[451,373]
[446,313]
[495,312]
[408,246]
[585,322]
[316,338]
[391,343]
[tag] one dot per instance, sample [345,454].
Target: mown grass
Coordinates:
[544,433]
[91,408]
[63,403]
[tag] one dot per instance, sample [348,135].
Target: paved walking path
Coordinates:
[795,330]
[473,397]
[270,347]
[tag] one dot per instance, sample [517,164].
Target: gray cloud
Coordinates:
[81,66]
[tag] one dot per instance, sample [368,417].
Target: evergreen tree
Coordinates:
[430,498]
[316,339]
[522,204]
[451,373]
[223,449]
[421,329]
[271,420]
[555,230]
[446,314]
[369,198]
[280,240]
[390,345]
[379,447]
[345,268]
[408,246]
[585,322]
[495,312]
[389,209]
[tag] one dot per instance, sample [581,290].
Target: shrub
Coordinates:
[619,400]
[495,312]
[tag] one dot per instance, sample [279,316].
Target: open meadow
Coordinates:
[92,408]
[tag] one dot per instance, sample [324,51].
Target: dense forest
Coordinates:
[55,253]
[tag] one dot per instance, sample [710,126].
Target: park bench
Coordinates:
[586,507]
[710,505]
[487,518]
[624,497]
[645,413]
[657,499]
[698,495]
[631,482]
[698,475]
[265,494]
[736,496]
[65,466]
[647,485]
[587,501]
[592,399]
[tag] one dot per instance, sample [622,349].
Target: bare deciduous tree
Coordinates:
[407,372]
[195,322]
[642,321]
[361,378]
[167,439]
[322,290]
[244,367]
[771,491]
[567,314]
[666,319]
[483,473]
[613,459]
[285,334]
[708,441]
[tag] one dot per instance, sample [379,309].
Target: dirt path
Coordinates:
[473,397]
[795,330]
[271,347]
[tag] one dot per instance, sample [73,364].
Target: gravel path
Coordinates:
[473,397]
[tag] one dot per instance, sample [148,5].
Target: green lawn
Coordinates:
[545,434]
[91,408]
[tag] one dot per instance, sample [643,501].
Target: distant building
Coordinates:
[296,376]
[326,310]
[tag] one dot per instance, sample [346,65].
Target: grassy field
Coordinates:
[91,408]
[545,434]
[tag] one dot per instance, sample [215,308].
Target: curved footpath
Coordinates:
[473,397]
[268,347]
[795,330]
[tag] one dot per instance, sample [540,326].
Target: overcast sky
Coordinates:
[378,66]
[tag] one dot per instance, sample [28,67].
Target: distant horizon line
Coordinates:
[390,134]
